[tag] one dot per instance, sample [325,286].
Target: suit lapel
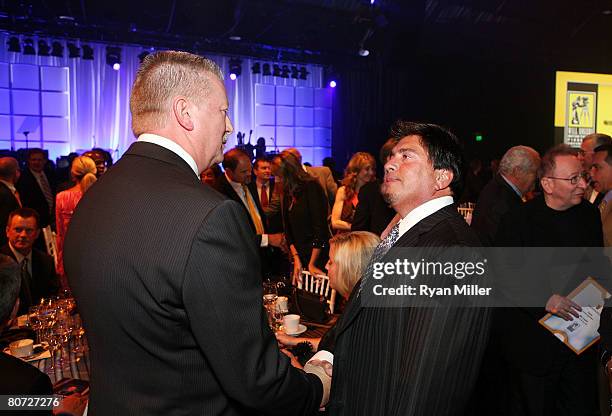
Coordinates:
[409,239]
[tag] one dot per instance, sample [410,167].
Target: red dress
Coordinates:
[65,203]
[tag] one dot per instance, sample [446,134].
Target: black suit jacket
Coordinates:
[496,199]
[44,279]
[8,203]
[409,360]
[21,378]
[372,213]
[32,196]
[273,220]
[174,283]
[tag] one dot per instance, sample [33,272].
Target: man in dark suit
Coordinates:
[169,289]
[9,197]
[235,185]
[37,187]
[546,377]
[516,176]
[18,377]
[263,187]
[392,360]
[39,279]
[373,213]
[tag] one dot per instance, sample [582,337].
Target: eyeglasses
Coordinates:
[574,179]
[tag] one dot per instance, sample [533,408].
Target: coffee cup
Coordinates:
[291,323]
[281,304]
[22,348]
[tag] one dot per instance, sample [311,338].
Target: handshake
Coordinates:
[321,365]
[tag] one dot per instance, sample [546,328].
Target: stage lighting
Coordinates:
[87,52]
[142,56]
[28,47]
[256,68]
[235,68]
[333,83]
[57,49]
[363,52]
[13,44]
[266,70]
[43,48]
[73,51]
[303,73]
[285,71]
[113,57]
[295,73]
[277,70]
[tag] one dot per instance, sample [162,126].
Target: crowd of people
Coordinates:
[166,257]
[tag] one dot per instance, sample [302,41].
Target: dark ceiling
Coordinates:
[331,31]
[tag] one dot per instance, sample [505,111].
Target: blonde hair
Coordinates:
[161,77]
[352,251]
[359,161]
[83,170]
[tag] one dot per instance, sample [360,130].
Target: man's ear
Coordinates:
[181,110]
[546,185]
[443,178]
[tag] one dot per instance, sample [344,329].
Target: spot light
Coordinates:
[266,70]
[332,84]
[303,73]
[73,51]
[285,71]
[87,52]
[256,68]
[43,48]
[28,47]
[57,49]
[235,68]
[13,44]
[113,57]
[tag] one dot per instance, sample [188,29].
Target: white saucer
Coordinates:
[301,330]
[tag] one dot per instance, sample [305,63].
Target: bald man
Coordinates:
[9,198]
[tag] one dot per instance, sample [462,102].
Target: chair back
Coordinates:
[319,285]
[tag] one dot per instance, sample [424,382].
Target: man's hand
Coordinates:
[323,370]
[276,240]
[563,307]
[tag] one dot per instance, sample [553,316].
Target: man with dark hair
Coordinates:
[37,187]
[517,174]
[601,175]
[38,277]
[391,360]
[545,376]
[18,377]
[585,155]
[9,197]
[373,213]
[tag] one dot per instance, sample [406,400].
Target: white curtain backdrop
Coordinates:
[99,95]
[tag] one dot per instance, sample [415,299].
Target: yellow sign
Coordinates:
[581,109]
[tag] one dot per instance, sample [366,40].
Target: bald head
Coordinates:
[295,152]
[520,165]
[9,169]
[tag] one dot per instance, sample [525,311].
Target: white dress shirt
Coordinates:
[172,146]
[423,211]
[240,191]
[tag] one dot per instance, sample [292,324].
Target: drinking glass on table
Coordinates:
[35,322]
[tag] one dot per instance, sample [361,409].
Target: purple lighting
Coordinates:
[332,84]
[116,66]
[233,76]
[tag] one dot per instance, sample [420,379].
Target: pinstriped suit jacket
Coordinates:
[165,273]
[410,361]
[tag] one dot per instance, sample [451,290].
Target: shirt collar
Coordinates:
[19,257]
[172,146]
[9,185]
[237,186]
[423,211]
[513,186]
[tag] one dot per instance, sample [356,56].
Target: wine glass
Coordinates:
[35,322]
[270,292]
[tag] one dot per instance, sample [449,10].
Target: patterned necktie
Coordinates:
[259,229]
[264,196]
[25,292]
[46,190]
[379,252]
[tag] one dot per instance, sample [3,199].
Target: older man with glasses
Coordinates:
[546,377]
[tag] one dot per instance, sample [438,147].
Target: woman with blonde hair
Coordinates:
[360,170]
[349,254]
[83,172]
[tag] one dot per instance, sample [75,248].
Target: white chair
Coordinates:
[318,285]
[50,242]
